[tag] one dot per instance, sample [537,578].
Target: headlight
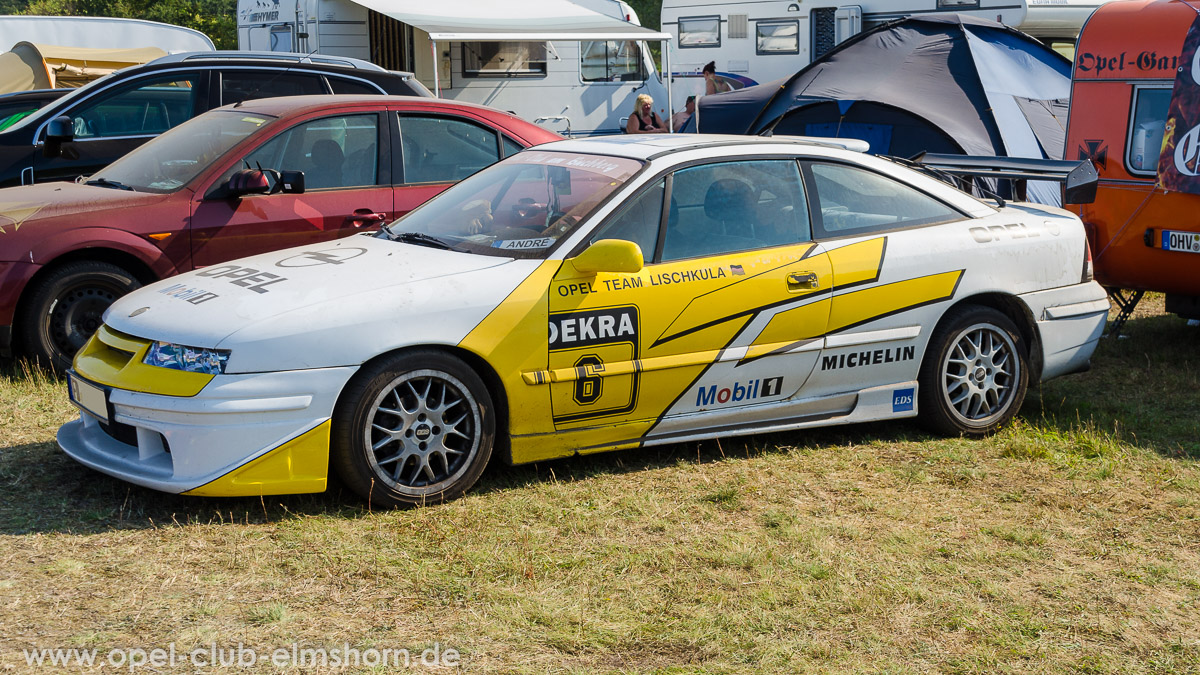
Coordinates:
[189,359]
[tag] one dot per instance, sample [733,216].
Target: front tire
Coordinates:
[975,373]
[66,307]
[413,429]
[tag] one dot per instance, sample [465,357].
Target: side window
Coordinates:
[854,201]
[503,59]
[735,206]
[699,31]
[777,37]
[511,147]
[245,86]
[637,221]
[340,85]
[1146,129]
[333,152]
[610,61]
[444,149]
[144,107]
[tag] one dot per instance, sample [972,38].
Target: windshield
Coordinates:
[519,207]
[173,159]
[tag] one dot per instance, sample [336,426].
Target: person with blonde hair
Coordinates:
[643,120]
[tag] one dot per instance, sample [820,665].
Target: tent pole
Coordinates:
[666,51]
[437,85]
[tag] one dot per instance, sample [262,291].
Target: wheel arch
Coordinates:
[491,380]
[123,259]
[1018,312]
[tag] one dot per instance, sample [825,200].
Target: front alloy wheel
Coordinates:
[408,435]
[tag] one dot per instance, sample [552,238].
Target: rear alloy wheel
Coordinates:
[413,429]
[975,374]
[66,307]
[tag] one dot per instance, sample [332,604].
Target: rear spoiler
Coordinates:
[1079,177]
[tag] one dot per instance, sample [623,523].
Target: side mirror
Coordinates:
[60,130]
[264,182]
[610,255]
[249,182]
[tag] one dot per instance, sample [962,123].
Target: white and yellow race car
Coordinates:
[583,296]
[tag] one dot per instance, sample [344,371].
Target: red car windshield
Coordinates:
[170,161]
[519,207]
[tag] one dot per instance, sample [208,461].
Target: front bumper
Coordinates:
[1070,321]
[256,434]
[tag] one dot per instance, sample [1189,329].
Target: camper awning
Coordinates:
[528,20]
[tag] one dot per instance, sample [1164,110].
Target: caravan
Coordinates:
[575,67]
[756,41]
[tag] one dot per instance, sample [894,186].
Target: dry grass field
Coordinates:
[1068,543]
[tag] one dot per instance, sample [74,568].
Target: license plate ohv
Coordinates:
[1188,242]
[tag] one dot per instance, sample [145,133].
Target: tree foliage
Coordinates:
[215,18]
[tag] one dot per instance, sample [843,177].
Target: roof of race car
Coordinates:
[649,146]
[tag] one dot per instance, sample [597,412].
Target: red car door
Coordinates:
[346,163]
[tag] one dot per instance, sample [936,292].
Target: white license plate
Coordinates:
[1188,242]
[89,397]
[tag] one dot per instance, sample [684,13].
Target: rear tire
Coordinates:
[67,306]
[413,429]
[975,373]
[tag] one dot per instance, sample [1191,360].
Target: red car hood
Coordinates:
[30,213]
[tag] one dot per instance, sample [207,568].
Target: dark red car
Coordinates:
[236,181]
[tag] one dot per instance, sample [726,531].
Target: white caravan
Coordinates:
[574,66]
[100,32]
[756,41]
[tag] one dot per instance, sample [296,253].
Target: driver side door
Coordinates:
[726,313]
[347,190]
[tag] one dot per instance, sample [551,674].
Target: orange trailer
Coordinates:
[1144,226]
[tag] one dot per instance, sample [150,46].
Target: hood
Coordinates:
[322,305]
[30,212]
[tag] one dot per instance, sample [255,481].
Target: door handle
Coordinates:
[802,281]
[364,217]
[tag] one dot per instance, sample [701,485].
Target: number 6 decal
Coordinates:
[589,384]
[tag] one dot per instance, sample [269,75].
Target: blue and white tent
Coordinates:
[942,83]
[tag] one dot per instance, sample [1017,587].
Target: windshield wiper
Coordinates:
[104,182]
[419,239]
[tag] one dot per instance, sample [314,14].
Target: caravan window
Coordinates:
[699,31]
[778,37]
[1146,127]
[611,61]
[503,59]
[957,4]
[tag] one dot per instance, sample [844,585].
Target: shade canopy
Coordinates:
[528,20]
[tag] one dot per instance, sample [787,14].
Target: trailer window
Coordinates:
[1146,129]
[957,4]
[611,61]
[700,31]
[777,37]
[503,59]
